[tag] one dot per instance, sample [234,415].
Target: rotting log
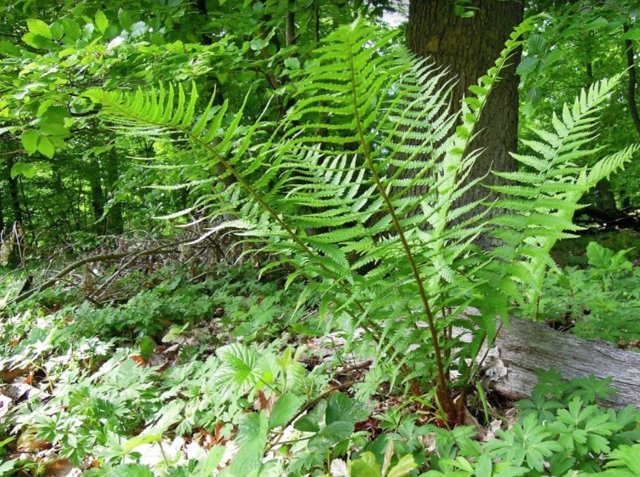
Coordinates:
[524,347]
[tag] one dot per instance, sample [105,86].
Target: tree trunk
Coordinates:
[1,213]
[290,26]
[115,221]
[469,47]
[605,199]
[202,8]
[525,347]
[14,193]
[97,198]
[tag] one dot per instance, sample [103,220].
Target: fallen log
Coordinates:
[524,347]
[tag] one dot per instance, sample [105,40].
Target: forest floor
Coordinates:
[155,362]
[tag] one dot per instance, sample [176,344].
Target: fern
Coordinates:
[357,189]
[544,195]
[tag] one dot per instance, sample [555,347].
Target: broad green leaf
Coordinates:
[125,19]
[404,467]
[330,435]
[598,256]
[26,169]
[596,24]
[284,409]
[54,129]
[310,422]
[45,146]
[38,27]
[57,30]
[29,140]
[484,466]
[258,44]
[71,30]
[633,34]
[365,466]
[8,48]
[36,41]
[292,63]
[341,407]
[101,21]
[252,439]
[527,65]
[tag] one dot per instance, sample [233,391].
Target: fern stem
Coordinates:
[442,379]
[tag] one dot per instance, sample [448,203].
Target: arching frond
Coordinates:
[545,193]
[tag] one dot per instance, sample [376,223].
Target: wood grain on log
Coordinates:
[525,347]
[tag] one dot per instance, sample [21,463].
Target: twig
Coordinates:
[95,258]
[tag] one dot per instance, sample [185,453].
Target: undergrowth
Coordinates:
[209,391]
[598,301]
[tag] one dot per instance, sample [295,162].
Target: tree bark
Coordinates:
[525,347]
[290,26]
[97,198]
[202,8]
[14,193]
[631,89]
[115,220]
[469,47]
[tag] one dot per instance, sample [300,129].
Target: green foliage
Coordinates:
[349,220]
[576,44]
[105,400]
[569,436]
[116,403]
[334,154]
[550,188]
[367,466]
[600,301]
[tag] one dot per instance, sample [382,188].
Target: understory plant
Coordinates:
[561,430]
[358,192]
[599,301]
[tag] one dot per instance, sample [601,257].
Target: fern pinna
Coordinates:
[358,189]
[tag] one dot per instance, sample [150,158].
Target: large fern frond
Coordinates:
[543,196]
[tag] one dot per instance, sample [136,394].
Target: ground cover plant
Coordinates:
[598,301]
[174,404]
[265,239]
